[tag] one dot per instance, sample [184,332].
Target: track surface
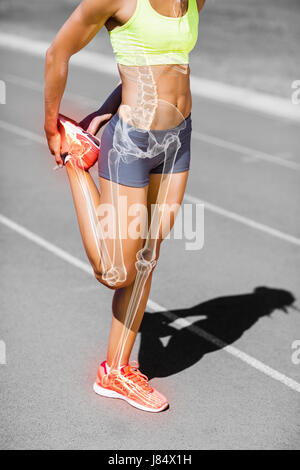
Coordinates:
[55,318]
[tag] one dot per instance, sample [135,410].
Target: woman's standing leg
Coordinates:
[122,296]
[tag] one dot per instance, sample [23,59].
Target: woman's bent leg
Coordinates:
[77,179]
[88,202]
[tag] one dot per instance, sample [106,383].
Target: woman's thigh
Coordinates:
[123,215]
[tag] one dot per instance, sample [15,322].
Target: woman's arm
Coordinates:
[76,33]
[200,4]
[95,120]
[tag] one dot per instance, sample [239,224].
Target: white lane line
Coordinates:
[243,150]
[209,89]
[187,197]
[6,126]
[154,306]
[208,139]
[244,220]
[47,245]
[251,361]
[90,60]
[36,86]
[244,98]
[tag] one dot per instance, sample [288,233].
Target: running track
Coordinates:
[223,362]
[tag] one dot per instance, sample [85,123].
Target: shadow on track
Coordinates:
[227,318]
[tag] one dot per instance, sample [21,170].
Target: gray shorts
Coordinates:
[141,152]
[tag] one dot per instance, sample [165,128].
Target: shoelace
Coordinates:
[137,377]
[132,374]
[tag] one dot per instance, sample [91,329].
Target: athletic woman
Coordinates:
[151,40]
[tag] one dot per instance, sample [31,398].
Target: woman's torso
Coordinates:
[154,96]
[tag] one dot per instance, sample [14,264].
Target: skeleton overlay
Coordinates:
[135,119]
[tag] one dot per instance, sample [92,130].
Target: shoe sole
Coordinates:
[105,392]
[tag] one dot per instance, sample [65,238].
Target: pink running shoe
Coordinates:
[130,385]
[82,146]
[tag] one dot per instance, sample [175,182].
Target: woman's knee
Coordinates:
[117,278]
[124,275]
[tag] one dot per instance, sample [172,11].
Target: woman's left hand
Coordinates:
[98,122]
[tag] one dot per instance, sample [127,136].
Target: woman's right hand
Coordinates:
[54,144]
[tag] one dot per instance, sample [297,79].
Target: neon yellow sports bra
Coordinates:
[149,38]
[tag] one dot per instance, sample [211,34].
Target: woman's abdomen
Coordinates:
[155,97]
